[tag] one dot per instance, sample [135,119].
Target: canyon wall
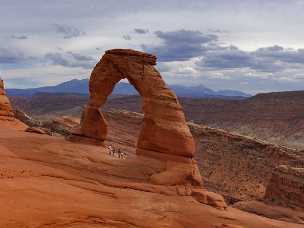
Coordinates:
[286,186]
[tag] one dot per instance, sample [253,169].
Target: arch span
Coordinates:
[164,130]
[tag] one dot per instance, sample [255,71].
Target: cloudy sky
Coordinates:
[248,45]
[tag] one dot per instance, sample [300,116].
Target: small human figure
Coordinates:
[119,153]
[124,155]
[111,150]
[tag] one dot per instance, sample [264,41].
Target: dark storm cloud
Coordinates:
[68,31]
[141,31]
[11,56]
[183,37]
[281,54]
[230,57]
[69,59]
[19,37]
[80,57]
[269,59]
[127,37]
[181,45]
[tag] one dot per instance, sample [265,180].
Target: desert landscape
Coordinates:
[101,170]
[151,114]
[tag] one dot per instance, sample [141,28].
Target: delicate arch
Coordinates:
[164,129]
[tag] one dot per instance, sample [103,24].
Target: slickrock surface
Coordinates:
[230,164]
[48,182]
[62,125]
[164,133]
[271,211]
[68,122]
[37,130]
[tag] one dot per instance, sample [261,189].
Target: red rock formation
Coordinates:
[7,118]
[164,130]
[62,125]
[164,134]
[66,121]
[37,130]
[6,110]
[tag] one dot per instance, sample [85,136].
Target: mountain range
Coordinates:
[124,88]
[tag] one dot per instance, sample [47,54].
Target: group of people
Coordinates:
[116,152]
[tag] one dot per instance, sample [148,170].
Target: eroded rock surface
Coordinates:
[37,130]
[164,127]
[6,110]
[7,117]
[238,166]
[286,187]
[164,134]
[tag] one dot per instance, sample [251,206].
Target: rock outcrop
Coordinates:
[286,186]
[26,119]
[232,164]
[7,117]
[283,199]
[62,125]
[164,134]
[6,111]
[37,130]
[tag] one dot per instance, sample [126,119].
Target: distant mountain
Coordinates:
[123,88]
[201,91]
[73,86]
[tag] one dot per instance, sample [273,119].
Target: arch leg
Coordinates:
[102,82]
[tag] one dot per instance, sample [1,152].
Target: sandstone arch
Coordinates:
[164,130]
[164,135]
